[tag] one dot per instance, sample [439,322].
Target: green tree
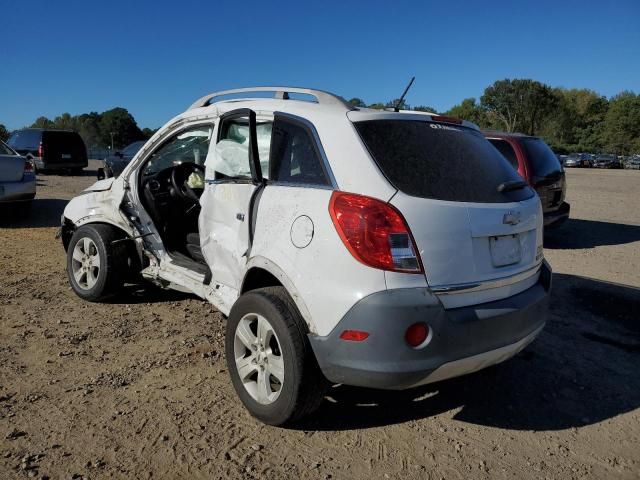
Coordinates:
[121,124]
[470,110]
[4,133]
[425,108]
[377,106]
[622,124]
[148,132]
[42,122]
[88,125]
[517,104]
[357,102]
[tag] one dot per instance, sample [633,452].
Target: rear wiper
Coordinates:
[511,185]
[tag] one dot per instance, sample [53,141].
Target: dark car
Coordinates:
[607,161]
[540,167]
[116,163]
[50,149]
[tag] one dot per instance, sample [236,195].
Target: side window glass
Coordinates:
[188,146]
[232,149]
[507,151]
[294,155]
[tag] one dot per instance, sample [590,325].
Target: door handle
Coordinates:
[240,216]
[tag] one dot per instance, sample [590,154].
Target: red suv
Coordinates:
[539,166]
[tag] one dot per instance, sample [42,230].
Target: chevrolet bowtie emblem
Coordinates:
[511,218]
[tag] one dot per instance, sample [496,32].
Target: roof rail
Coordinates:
[282,93]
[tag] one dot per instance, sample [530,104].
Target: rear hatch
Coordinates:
[64,148]
[471,215]
[547,175]
[11,165]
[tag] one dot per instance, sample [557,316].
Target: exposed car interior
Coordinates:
[171,183]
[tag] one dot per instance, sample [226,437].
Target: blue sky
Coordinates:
[155,58]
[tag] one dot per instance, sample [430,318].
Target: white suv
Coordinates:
[371,248]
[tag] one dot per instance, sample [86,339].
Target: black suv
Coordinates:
[50,149]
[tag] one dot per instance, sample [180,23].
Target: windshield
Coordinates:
[606,157]
[541,158]
[440,161]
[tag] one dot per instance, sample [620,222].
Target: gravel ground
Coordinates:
[137,388]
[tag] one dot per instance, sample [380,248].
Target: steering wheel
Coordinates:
[179,180]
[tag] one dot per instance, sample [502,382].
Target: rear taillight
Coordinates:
[374,232]
[28,166]
[40,150]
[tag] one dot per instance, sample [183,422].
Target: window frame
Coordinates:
[316,144]
[254,155]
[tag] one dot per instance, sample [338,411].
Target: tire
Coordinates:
[302,388]
[96,283]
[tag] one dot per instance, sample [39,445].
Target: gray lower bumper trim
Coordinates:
[384,360]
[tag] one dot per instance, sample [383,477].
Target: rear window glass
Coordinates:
[541,158]
[443,162]
[507,150]
[4,150]
[62,138]
[25,139]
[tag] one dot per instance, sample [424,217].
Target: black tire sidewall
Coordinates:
[273,310]
[98,290]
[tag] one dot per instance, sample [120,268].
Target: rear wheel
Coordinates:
[96,266]
[272,367]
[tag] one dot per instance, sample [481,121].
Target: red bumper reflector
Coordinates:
[416,334]
[354,335]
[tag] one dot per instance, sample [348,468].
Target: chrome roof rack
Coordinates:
[282,93]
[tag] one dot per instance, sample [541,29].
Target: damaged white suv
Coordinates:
[371,248]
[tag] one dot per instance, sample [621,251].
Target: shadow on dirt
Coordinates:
[147,293]
[44,212]
[582,369]
[577,233]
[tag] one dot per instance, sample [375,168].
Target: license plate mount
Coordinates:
[505,250]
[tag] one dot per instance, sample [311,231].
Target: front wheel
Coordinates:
[272,367]
[96,266]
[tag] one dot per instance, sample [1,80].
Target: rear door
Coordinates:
[233,179]
[63,148]
[469,211]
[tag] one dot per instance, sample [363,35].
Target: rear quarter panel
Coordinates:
[326,279]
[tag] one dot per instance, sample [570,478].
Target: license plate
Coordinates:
[505,250]
[65,156]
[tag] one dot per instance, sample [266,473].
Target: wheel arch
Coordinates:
[262,272]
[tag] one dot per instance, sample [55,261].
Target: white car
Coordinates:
[372,248]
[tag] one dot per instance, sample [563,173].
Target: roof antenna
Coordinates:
[396,108]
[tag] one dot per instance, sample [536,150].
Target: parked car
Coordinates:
[607,161]
[539,166]
[577,160]
[633,163]
[114,164]
[17,179]
[562,159]
[345,245]
[51,149]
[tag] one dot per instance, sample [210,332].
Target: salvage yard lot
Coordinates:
[138,388]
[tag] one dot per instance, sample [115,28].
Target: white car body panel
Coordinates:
[452,237]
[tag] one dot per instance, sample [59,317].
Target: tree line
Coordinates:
[569,120]
[98,130]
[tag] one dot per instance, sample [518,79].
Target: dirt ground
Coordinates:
[138,388]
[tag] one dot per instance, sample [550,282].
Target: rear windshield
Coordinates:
[541,158]
[62,138]
[443,162]
[25,139]
[4,150]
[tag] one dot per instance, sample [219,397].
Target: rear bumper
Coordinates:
[41,165]
[18,191]
[555,218]
[463,340]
